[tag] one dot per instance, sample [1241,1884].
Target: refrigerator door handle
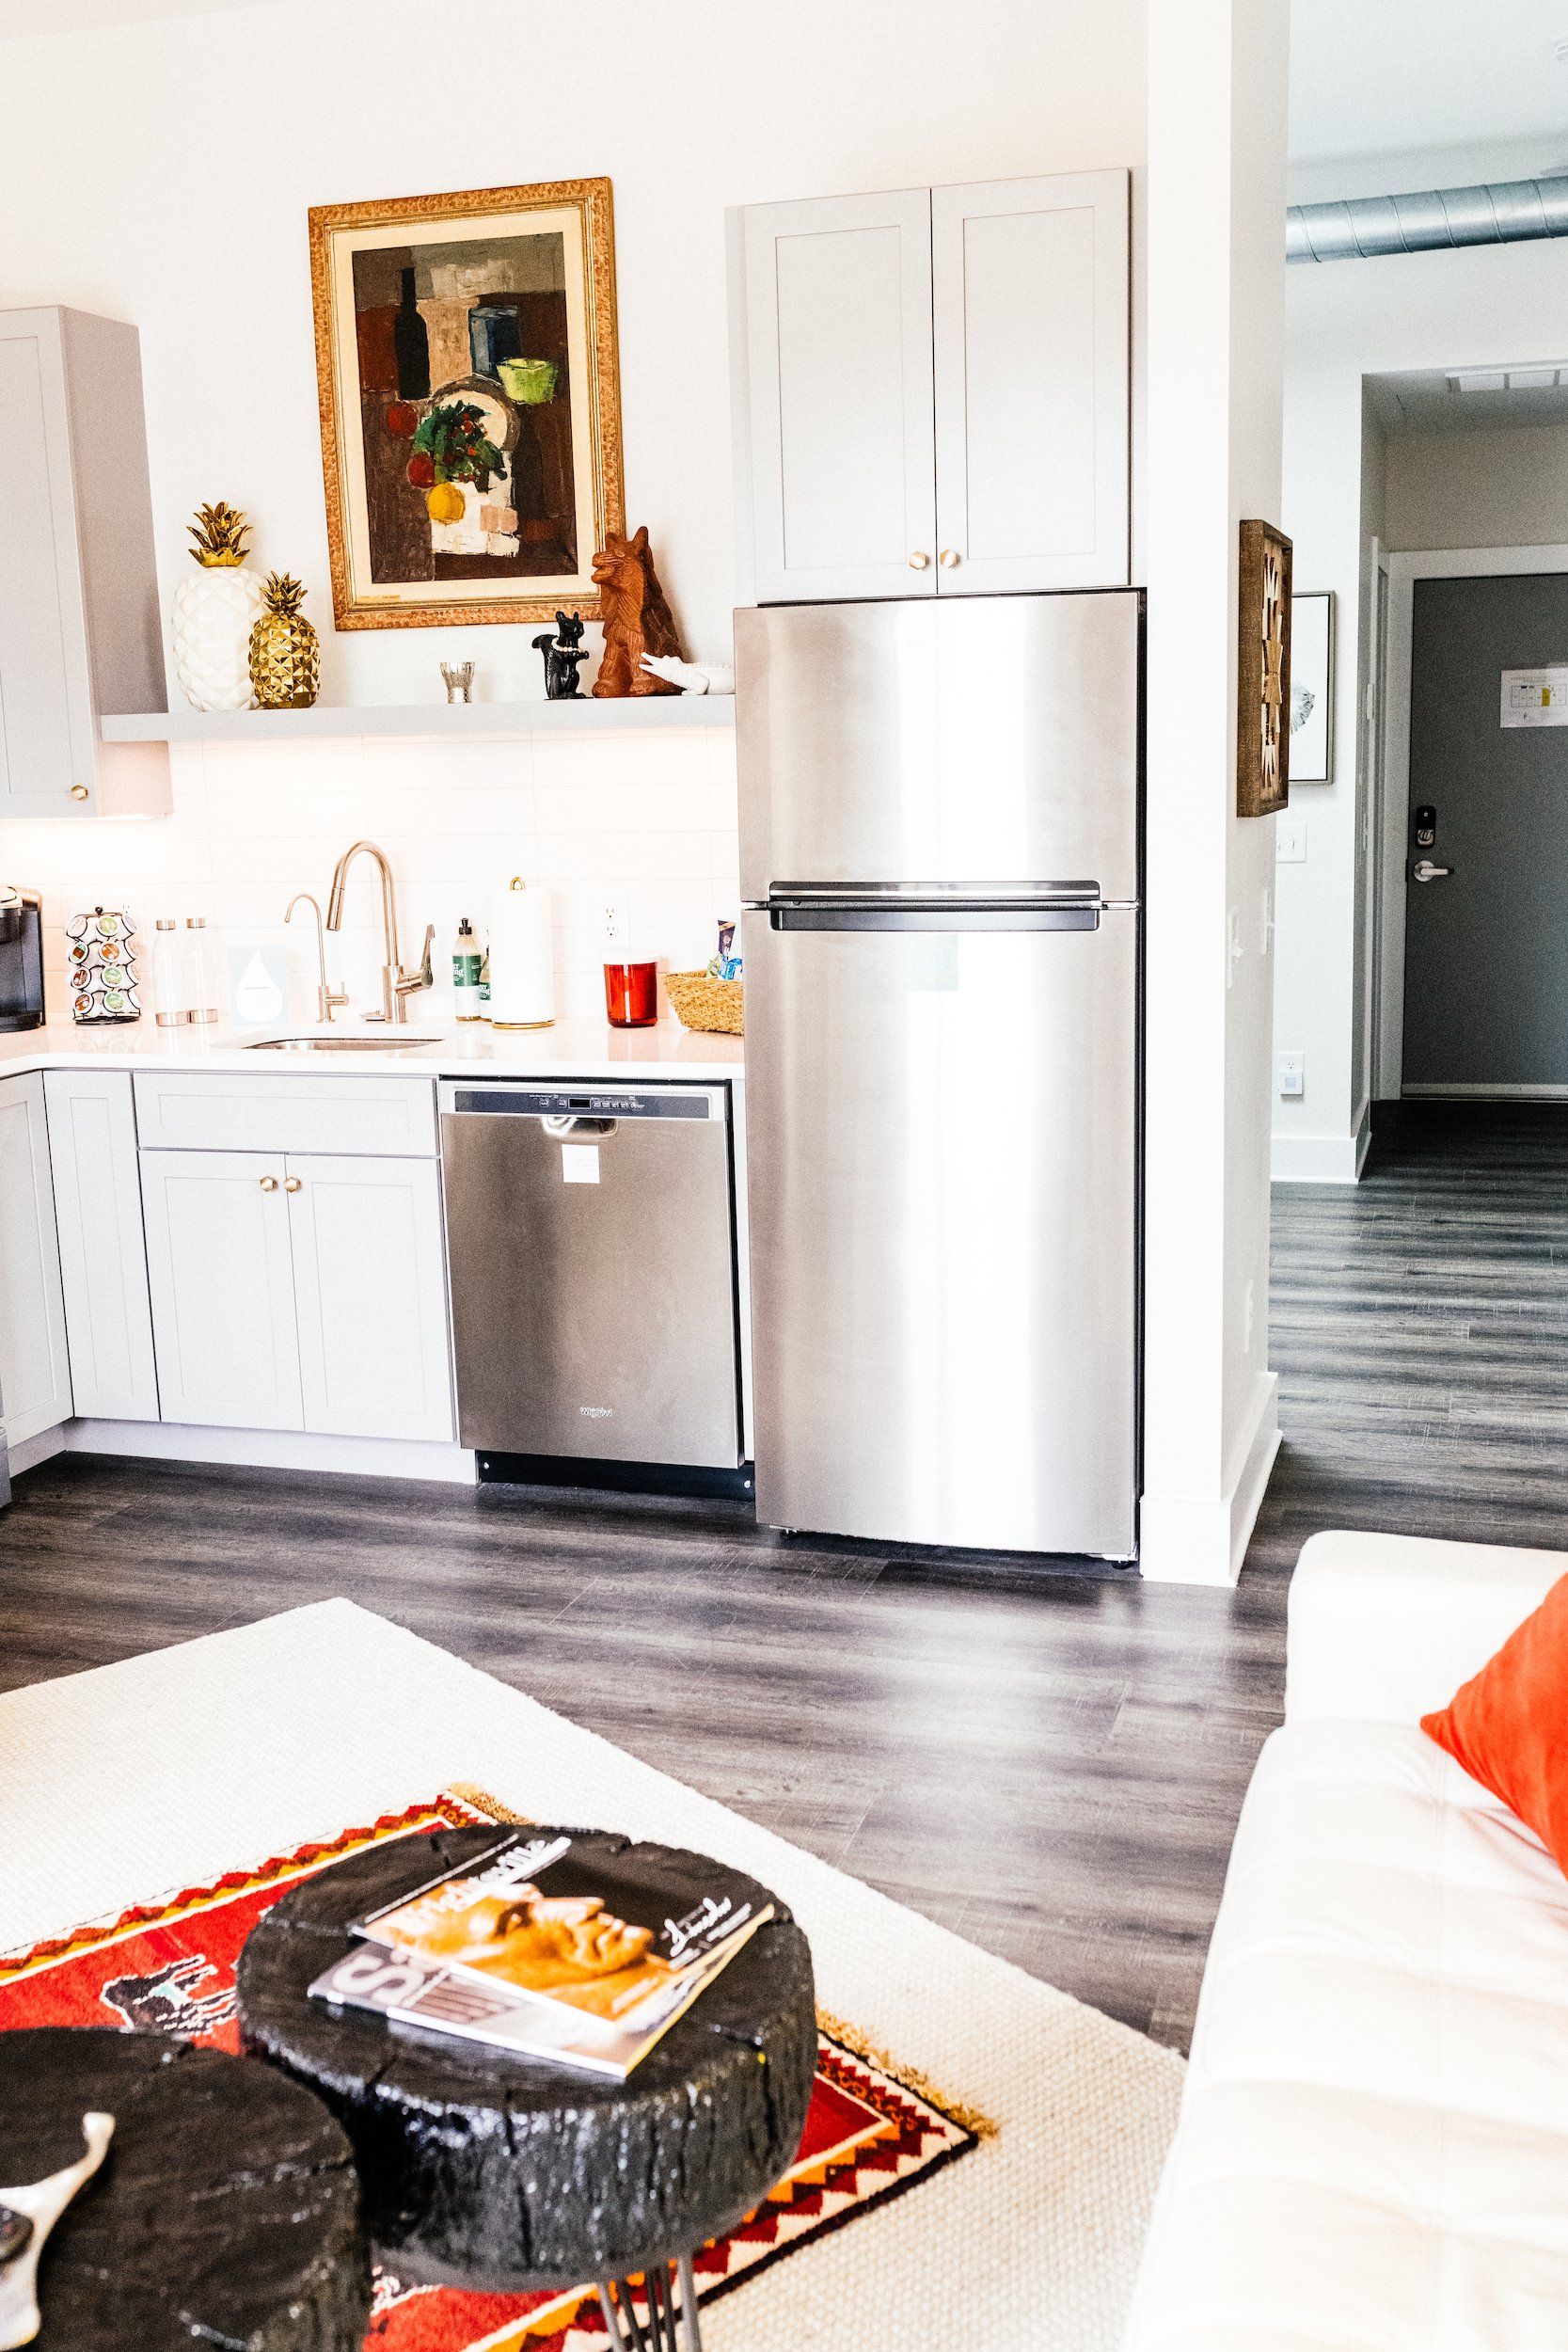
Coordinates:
[840,918]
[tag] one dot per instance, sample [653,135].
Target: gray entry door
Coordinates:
[1486,946]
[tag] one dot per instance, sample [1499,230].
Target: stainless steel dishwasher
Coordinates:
[591,1241]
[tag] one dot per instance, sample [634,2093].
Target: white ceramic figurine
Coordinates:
[692,677]
[26,2216]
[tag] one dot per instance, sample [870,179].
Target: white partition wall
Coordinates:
[1216,198]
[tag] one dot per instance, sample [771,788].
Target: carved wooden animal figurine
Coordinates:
[637,619]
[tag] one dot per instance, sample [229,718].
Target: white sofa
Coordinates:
[1372,2151]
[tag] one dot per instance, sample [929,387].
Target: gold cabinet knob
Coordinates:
[918,560]
[269,1183]
[291,1184]
[950,558]
[78,791]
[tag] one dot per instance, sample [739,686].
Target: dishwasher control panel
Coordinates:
[507,1102]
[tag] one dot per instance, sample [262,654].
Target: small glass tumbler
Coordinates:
[631,994]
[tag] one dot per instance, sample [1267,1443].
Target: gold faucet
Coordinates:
[397,985]
[326,997]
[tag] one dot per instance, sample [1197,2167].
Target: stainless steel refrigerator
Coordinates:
[940,865]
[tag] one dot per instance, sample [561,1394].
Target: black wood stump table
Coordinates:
[226,2212]
[483,2169]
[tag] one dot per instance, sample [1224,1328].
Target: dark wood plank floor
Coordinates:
[1051,1764]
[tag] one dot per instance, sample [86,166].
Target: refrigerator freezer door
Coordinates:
[943,1233]
[978,743]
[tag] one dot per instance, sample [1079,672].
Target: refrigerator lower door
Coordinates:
[943,1153]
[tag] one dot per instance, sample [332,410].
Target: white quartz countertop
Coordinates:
[588,1049]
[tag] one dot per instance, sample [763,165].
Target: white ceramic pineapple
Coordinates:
[214,612]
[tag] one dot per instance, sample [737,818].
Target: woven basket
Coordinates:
[704,1003]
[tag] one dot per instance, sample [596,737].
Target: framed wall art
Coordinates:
[1312,688]
[1263,672]
[470,405]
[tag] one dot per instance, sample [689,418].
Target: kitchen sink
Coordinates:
[395,1041]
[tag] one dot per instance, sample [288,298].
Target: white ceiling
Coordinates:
[1380,77]
[1431,401]
[1368,78]
[84,16]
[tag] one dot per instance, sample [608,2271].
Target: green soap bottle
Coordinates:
[467,962]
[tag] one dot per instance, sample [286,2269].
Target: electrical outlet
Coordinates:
[1291,1071]
[614,927]
[1290,841]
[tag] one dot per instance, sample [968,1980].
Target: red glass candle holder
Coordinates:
[631,994]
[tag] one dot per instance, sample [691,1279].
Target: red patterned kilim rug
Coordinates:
[168,1967]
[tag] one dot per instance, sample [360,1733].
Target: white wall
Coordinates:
[162,172]
[652,828]
[1215,324]
[1491,489]
[1346,321]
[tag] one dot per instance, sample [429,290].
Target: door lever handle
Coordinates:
[1424,871]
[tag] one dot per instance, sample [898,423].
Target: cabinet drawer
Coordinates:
[274,1111]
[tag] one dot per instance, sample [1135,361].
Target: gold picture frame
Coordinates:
[1263,672]
[456,493]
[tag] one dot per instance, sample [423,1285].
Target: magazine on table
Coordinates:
[544,1946]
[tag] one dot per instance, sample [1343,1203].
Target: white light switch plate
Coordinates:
[1290,841]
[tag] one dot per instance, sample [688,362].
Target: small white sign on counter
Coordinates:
[579,1162]
[1536,698]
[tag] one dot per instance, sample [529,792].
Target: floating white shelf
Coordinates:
[419,719]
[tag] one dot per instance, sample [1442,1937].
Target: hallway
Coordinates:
[1420,1330]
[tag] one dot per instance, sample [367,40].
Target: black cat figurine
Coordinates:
[564,654]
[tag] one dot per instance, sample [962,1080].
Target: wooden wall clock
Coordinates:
[1263,673]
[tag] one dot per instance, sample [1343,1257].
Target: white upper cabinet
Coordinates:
[931,391]
[80,630]
[838,329]
[1030,280]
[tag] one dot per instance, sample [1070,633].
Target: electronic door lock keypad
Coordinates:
[1424,822]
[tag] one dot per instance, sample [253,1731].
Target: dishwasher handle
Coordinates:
[573,1123]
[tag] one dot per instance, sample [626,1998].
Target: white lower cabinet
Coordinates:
[370,1291]
[298,1293]
[35,1367]
[219,1271]
[92,1143]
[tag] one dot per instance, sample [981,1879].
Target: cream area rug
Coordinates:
[120,1785]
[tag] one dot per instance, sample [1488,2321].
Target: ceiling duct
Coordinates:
[1504,212]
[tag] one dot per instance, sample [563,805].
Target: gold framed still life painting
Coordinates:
[1263,673]
[470,407]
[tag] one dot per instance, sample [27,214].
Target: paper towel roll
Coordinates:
[522,959]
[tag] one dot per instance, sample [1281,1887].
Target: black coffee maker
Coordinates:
[20,959]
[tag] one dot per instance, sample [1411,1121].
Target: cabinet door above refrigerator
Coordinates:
[836,328]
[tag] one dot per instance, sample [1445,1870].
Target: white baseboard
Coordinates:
[1486,1094]
[1321,1159]
[273,1449]
[1202,1540]
[27,1453]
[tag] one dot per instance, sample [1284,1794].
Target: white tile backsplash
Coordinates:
[648,823]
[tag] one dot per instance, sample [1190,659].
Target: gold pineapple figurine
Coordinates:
[285,655]
[219,533]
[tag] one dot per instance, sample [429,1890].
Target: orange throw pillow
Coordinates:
[1508,1726]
